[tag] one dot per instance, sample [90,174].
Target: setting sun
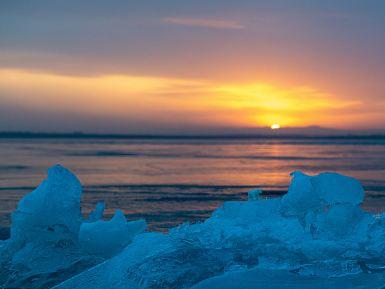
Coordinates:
[275,126]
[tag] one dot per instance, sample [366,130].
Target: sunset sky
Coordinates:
[177,66]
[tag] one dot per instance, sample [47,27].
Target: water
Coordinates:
[169,181]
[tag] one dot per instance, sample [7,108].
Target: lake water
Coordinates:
[169,181]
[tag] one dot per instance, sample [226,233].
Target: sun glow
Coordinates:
[168,100]
[265,104]
[275,126]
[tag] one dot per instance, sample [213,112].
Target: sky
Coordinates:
[191,66]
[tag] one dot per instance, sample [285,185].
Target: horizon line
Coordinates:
[272,135]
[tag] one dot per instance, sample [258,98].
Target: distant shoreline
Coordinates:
[78,135]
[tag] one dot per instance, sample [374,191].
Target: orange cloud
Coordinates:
[175,100]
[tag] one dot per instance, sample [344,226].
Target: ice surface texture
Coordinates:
[106,238]
[316,236]
[50,241]
[278,279]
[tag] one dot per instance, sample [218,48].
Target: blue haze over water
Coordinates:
[169,181]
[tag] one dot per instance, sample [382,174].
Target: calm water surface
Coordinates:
[170,181]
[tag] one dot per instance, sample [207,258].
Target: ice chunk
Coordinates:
[307,193]
[316,231]
[337,189]
[340,221]
[106,238]
[258,211]
[44,247]
[301,196]
[254,194]
[153,260]
[96,214]
[51,211]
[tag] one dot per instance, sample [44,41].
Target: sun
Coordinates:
[275,126]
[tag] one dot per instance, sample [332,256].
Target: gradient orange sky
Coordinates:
[114,66]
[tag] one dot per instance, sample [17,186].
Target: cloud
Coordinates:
[134,99]
[200,22]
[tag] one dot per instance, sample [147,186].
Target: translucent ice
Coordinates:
[44,232]
[106,238]
[96,214]
[44,247]
[315,232]
[308,193]
[279,279]
[254,194]
[51,211]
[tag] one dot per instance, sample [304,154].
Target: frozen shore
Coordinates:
[315,236]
